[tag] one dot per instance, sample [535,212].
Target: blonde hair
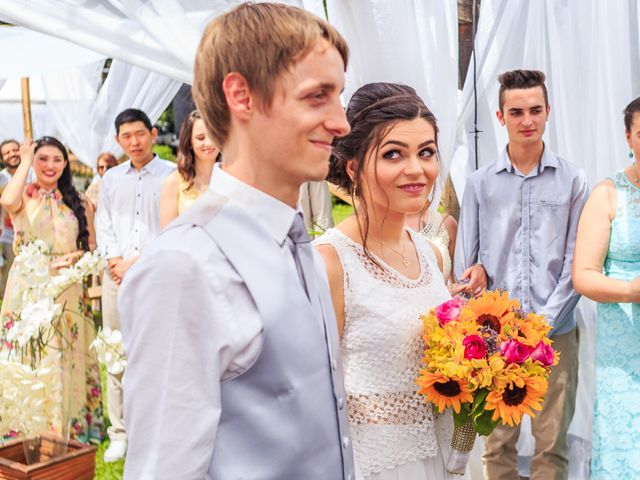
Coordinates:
[258,41]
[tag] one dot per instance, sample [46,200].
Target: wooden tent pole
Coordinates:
[26,108]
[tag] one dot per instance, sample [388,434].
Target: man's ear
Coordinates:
[238,95]
[500,117]
[154,134]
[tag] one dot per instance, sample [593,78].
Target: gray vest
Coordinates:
[284,418]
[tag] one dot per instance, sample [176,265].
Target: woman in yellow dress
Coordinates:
[53,211]
[196,156]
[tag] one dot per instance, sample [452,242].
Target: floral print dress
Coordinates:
[45,217]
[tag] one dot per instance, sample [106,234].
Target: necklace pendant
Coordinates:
[405,260]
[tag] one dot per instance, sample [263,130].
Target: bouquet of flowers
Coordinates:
[489,361]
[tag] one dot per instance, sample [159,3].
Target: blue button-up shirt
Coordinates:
[522,228]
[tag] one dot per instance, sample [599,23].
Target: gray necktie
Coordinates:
[300,245]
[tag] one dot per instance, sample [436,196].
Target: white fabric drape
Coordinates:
[11,110]
[590,54]
[66,98]
[413,42]
[159,35]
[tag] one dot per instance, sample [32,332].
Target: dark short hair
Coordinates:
[629,110]
[131,115]
[518,79]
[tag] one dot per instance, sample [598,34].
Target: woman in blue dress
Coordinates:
[606,268]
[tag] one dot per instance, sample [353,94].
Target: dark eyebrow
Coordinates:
[401,144]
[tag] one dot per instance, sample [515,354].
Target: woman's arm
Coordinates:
[89,211]
[336,283]
[169,199]
[592,245]
[12,197]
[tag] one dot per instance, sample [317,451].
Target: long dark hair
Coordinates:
[372,111]
[186,157]
[70,195]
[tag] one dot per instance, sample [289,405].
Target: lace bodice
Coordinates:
[436,231]
[616,433]
[381,352]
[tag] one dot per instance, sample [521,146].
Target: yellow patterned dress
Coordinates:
[46,217]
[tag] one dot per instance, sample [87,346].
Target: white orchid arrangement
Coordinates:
[108,345]
[29,396]
[30,385]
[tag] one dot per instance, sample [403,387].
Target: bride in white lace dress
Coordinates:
[382,277]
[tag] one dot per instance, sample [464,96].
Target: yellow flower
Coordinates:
[489,309]
[443,391]
[515,396]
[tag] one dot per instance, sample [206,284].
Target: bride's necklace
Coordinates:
[403,256]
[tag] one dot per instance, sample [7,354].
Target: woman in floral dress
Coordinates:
[51,210]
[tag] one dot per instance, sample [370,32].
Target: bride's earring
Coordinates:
[631,154]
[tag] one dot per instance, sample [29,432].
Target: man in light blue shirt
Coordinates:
[519,218]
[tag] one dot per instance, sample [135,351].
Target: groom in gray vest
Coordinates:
[233,352]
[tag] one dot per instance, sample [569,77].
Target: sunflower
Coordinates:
[489,309]
[514,398]
[443,391]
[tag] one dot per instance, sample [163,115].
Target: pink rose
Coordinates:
[474,347]
[514,351]
[544,354]
[448,311]
[9,324]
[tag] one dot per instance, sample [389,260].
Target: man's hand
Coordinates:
[477,277]
[111,265]
[121,268]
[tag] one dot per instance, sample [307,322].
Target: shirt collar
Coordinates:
[152,167]
[504,163]
[274,215]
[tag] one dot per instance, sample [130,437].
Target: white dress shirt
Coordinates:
[128,215]
[195,325]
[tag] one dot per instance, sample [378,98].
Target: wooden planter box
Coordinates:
[79,463]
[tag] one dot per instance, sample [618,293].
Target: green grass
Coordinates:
[341,211]
[106,471]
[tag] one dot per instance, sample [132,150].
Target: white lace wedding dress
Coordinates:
[396,435]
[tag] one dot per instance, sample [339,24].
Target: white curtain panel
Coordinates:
[126,86]
[414,42]
[589,51]
[158,35]
[11,110]
[26,53]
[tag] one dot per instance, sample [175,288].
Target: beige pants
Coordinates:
[7,254]
[111,319]
[550,460]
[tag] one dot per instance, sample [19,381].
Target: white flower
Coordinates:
[29,399]
[33,317]
[108,345]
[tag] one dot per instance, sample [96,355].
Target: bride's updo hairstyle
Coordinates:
[373,111]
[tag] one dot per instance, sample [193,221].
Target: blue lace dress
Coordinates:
[616,422]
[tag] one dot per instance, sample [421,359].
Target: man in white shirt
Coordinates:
[10,155]
[128,217]
[233,350]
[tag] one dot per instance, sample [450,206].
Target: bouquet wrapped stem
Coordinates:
[464,436]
